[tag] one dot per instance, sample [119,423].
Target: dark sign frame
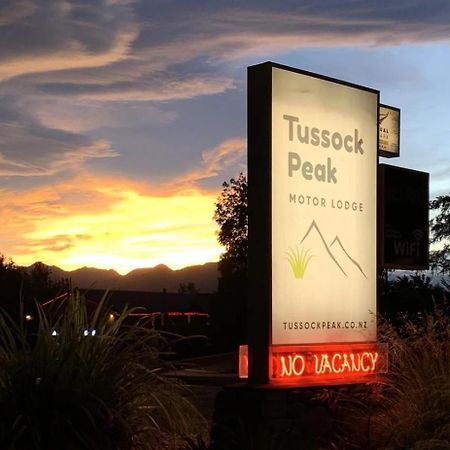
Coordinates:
[259,129]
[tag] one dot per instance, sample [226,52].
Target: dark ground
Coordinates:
[206,376]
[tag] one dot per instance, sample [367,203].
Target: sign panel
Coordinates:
[389,131]
[323,210]
[404,218]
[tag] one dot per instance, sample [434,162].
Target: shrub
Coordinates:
[410,406]
[71,391]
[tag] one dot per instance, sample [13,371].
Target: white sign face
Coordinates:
[389,127]
[324,169]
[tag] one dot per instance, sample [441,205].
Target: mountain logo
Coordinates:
[299,260]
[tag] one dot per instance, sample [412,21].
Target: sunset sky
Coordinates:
[120,119]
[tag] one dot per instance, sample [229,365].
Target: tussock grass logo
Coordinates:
[298,260]
[335,250]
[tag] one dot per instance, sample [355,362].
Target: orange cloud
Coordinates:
[227,154]
[78,116]
[170,90]
[108,222]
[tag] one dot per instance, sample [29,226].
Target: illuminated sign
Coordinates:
[324,162]
[243,361]
[312,172]
[389,131]
[322,364]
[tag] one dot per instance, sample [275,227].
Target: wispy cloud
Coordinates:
[81,116]
[14,11]
[63,35]
[28,152]
[61,62]
[142,50]
[213,161]
[150,87]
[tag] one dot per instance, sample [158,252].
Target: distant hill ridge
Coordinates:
[152,279]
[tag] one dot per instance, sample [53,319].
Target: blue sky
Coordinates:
[119,120]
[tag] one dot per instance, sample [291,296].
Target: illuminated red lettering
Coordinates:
[316,364]
[371,358]
[355,368]
[286,371]
[346,364]
[302,366]
[333,363]
[374,357]
[312,365]
[291,367]
[326,364]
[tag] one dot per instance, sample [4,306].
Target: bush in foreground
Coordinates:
[410,407]
[60,389]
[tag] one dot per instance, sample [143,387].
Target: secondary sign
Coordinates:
[404,221]
[389,131]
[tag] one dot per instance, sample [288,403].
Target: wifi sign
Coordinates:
[417,234]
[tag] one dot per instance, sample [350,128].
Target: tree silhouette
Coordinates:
[440,233]
[12,280]
[229,309]
[187,288]
[232,216]
[21,289]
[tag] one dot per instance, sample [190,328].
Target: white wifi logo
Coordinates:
[417,235]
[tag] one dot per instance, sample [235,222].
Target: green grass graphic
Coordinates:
[298,260]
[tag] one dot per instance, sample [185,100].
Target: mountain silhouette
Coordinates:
[338,242]
[314,226]
[154,279]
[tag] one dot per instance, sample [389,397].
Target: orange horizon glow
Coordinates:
[108,223]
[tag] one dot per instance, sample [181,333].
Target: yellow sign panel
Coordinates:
[324,170]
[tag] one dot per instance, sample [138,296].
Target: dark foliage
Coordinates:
[410,294]
[409,407]
[232,216]
[229,308]
[30,286]
[188,288]
[70,390]
[440,234]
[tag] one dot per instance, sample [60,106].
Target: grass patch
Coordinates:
[410,406]
[74,392]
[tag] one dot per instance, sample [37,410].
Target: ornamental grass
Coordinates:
[87,380]
[409,408]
